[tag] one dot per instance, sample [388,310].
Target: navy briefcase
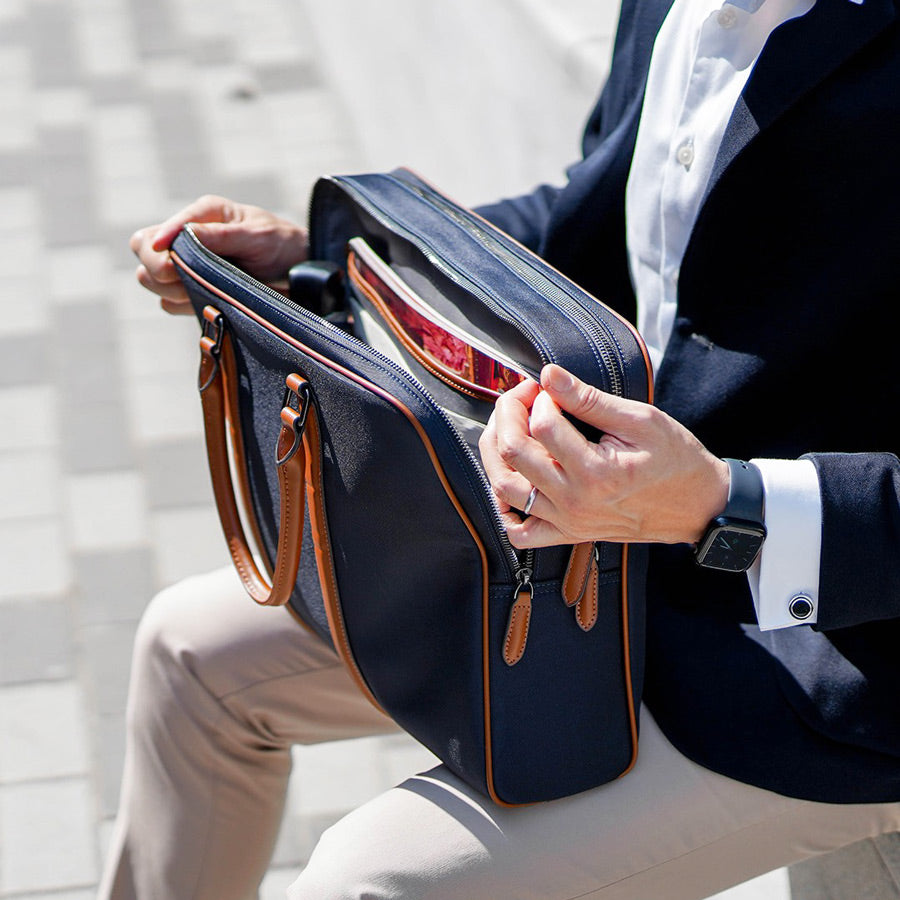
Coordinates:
[354,457]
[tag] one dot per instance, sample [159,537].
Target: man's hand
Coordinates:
[261,243]
[647,479]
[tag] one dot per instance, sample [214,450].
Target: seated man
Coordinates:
[738,196]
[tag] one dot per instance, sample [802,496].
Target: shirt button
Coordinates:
[726,17]
[800,607]
[685,154]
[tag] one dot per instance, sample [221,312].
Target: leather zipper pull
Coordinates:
[582,561]
[519,619]
[586,608]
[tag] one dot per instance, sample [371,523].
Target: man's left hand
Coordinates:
[647,479]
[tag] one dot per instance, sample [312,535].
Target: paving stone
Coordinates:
[19,213]
[127,203]
[857,872]
[109,752]
[97,436]
[162,408]
[26,308]
[105,835]
[63,106]
[188,174]
[59,895]
[114,89]
[288,76]
[86,338]
[94,414]
[29,484]
[107,41]
[35,561]
[182,143]
[29,417]
[79,274]
[51,36]
[297,838]
[65,183]
[13,26]
[25,359]
[106,656]
[113,585]
[22,260]
[264,190]
[133,306]
[162,344]
[336,777]
[187,542]
[50,745]
[276,883]
[17,166]
[155,32]
[47,836]
[402,757]
[18,132]
[771,886]
[213,51]
[35,641]
[177,474]
[106,510]
[888,847]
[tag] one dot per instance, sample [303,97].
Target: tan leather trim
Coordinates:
[587,608]
[439,371]
[581,561]
[291,483]
[236,437]
[485,606]
[626,656]
[517,628]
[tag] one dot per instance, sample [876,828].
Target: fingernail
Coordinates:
[560,379]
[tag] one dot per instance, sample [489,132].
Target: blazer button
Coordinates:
[800,607]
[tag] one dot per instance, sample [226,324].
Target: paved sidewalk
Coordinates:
[114,113]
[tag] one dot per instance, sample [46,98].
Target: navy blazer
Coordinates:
[785,344]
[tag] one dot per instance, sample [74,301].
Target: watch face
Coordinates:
[730,547]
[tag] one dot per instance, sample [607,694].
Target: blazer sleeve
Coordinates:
[860,568]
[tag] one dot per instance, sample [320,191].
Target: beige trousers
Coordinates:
[220,691]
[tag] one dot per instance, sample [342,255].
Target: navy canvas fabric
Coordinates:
[784,345]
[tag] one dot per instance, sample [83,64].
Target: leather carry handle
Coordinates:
[217,372]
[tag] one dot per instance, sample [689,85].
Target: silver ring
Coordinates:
[530,501]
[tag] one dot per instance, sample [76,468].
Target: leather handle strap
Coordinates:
[217,367]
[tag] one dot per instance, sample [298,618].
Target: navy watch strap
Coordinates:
[746,495]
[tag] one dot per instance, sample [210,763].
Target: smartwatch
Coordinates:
[732,540]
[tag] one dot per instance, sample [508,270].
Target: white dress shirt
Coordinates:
[703,55]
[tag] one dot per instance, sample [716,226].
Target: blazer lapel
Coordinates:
[797,56]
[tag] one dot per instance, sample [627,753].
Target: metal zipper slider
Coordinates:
[519,618]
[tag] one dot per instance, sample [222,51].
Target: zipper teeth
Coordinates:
[442,265]
[538,280]
[499,532]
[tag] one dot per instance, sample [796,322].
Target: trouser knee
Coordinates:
[167,665]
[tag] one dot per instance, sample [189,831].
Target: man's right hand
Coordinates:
[261,243]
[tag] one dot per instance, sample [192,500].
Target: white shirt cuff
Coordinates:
[784,579]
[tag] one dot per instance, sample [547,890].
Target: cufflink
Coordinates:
[801,607]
